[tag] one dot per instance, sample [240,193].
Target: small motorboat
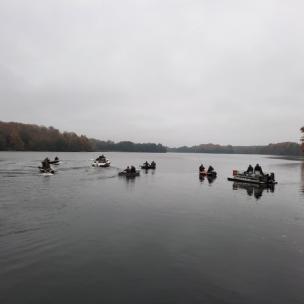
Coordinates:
[129,174]
[102,164]
[46,172]
[253,178]
[208,174]
[147,166]
[101,161]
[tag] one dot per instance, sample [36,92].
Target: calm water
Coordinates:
[85,235]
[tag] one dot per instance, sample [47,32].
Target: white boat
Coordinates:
[101,164]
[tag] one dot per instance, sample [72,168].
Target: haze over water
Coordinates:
[86,235]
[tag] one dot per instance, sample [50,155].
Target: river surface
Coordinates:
[86,235]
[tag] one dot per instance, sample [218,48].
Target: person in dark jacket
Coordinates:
[210,169]
[201,168]
[46,164]
[250,169]
[258,169]
[133,170]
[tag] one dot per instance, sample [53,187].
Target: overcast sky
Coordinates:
[171,71]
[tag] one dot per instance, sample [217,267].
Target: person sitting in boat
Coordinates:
[133,170]
[101,158]
[153,163]
[127,170]
[258,169]
[201,168]
[210,169]
[146,164]
[56,158]
[46,164]
[249,170]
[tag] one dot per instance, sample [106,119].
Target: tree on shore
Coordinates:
[27,137]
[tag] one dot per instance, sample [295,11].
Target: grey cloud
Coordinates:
[176,72]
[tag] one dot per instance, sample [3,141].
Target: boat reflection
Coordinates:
[210,179]
[253,189]
[146,171]
[302,177]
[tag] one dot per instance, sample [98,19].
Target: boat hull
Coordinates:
[46,172]
[148,167]
[101,165]
[251,181]
[208,174]
[129,174]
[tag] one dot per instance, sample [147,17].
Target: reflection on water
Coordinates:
[146,171]
[253,189]
[302,177]
[163,238]
[210,179]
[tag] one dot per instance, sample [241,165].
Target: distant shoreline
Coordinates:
[271,156]
[16,136]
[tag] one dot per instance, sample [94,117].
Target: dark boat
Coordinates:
[147,167]
[253,178]
[44,171]
[129,174]
[208,174]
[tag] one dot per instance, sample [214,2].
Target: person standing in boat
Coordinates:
[258,169]
[249,170]
[201,168]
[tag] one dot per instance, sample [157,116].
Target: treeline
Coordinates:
[126,146]
[285,148]
[27,137]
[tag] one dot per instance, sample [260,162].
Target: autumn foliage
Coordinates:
[27,137]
